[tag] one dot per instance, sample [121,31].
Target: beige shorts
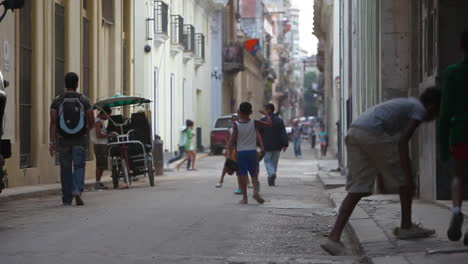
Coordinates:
[370,155]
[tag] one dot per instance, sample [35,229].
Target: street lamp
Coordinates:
[216,74]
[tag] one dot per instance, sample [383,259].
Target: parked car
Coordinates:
[220,134]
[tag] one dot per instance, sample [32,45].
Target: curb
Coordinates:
[367,236]
[54,190]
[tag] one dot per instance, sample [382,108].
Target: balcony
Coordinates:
[233,58]
[177,34]
[160,22]
[189,42]
[199,49]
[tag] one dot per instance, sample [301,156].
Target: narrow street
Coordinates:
[184,219]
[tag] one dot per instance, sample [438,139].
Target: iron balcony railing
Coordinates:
[161,11]
[233,58]
[177,30]
[189,38]
[200,46]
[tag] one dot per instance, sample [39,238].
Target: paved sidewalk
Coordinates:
[374,219]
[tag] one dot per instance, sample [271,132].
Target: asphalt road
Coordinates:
[184,219]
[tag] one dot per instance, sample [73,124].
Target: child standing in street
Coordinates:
[377,143]
[245,138]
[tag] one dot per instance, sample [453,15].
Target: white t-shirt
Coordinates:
[93,135]
[390,117]
[246,136]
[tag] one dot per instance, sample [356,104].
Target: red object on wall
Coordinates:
[252,45]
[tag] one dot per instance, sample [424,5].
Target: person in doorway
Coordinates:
[245,138]
[189,149]
[323,138]
[274,139]
[378,143]
[453,134]
[297,138]
[71,118]
[100,137]
[312,135]
[182,143]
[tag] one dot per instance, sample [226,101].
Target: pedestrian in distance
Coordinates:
[453,134]
[312,135]
[189,149]
[71,118]
[323,138]
[297,138]
[244,136]
[378,143]
[274,139]
[182,143]
[100,138]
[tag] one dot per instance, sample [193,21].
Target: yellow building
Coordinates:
[40,43]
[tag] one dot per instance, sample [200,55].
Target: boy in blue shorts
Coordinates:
[244,137]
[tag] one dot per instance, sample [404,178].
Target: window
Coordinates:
[86,62]
[177,30]
[108,11]
[59,48]
[160,17]
[189,38]
[25,62]
[200,46]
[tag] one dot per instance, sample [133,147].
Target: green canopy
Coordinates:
[121,100]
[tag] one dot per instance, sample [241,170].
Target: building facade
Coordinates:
[41,42]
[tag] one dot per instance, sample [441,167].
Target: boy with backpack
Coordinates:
[378,143]
[244,137]
[71,119]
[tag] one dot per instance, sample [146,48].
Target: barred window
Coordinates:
[59,48]
[25,92]
[86,67]
[177,29]
[200,48]
[160,17]
[108,11]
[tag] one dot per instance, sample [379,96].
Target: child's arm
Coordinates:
[266,123]
[403,148]
[260,144]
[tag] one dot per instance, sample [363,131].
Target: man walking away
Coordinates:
[378,143]
[453,134]
[297,138]
[71,118]
[274,139]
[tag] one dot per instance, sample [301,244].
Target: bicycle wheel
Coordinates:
[125,173]
[115,176]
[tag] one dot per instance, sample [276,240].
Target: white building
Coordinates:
[176,64]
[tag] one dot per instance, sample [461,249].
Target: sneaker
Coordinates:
[258,198]
[414,232]
[100,186]
[334,248]
[238,192]
[219,185]
[270,181]
[454,232]
[66,203]
[78,200]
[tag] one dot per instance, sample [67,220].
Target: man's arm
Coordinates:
[445,115]
[266,123]
[403,148]
[90,119]
[99,133]
[284,136]
[52,131]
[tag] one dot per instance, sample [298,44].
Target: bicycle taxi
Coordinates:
[131,151]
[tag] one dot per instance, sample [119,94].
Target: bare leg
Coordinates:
[460,169]
[222,176]
[346,209]
[194,157]
[243,186]
[99,174]
[406,200]
[187,157]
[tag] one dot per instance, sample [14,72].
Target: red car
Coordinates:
[220,134]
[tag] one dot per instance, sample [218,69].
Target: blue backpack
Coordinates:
[71,116]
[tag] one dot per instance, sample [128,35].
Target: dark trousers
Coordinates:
[179,156]
[312,140]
